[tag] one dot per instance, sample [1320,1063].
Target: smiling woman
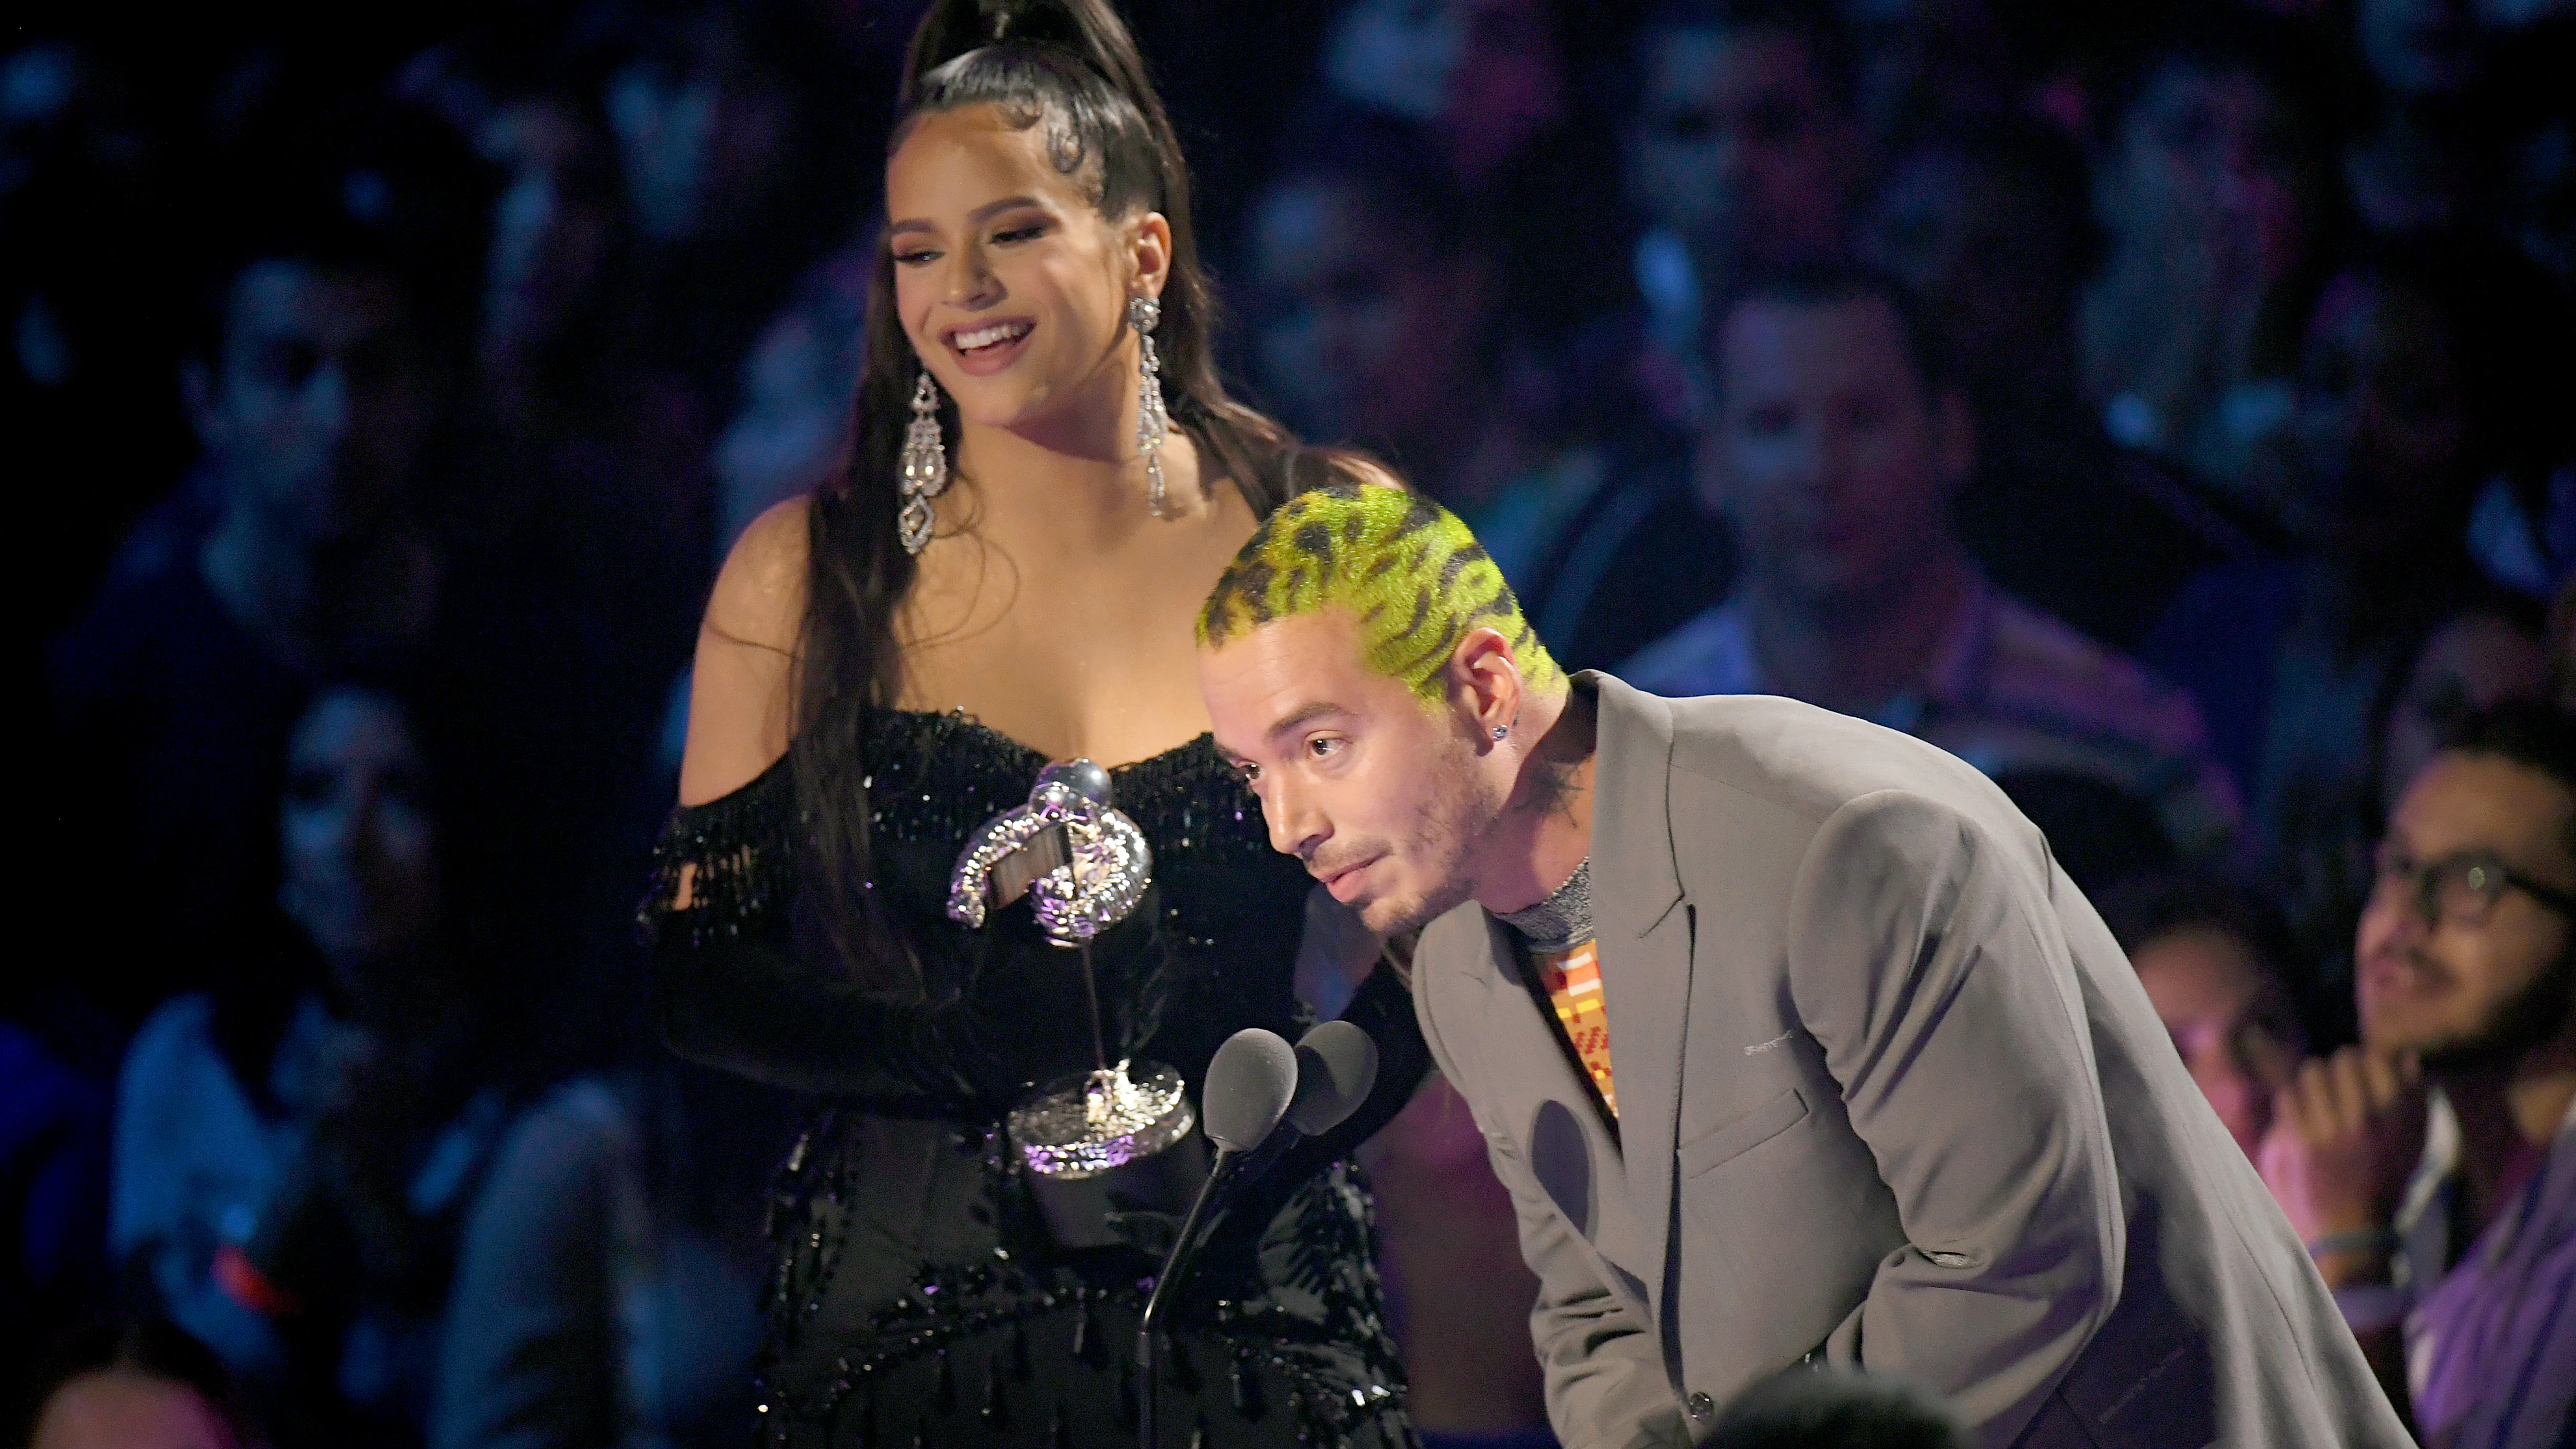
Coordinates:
[1047,479]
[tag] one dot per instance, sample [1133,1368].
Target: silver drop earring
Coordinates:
[925,468]
[1152,423]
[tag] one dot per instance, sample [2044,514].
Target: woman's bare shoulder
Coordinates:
[739,704]
[759,597]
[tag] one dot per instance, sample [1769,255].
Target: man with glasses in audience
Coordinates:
[2432,1169]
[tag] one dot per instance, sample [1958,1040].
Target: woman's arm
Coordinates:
[741,704]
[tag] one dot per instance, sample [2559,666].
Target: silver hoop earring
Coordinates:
[925,467]
[1152,422]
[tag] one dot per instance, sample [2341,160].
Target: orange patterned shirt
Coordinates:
[1573,982]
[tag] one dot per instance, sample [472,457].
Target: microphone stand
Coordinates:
[1175,1263]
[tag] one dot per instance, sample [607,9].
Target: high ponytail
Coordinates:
[1072,67]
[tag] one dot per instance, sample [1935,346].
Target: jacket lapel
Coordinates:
[1645,932]
[1534,1071]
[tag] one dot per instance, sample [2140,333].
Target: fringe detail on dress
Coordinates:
[736,859]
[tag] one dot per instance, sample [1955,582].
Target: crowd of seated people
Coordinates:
[2164,408]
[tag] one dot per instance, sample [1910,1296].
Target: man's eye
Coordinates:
[1322,745]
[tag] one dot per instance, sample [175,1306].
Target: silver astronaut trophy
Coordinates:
[1084,867]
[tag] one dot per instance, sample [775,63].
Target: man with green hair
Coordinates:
[1789,1039]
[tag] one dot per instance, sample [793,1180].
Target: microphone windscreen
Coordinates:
[1249,1085]
[1336,1066]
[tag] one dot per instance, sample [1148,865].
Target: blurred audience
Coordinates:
[53,1192]
[296,1148]
[89,296]
[2411,168]
[788,434]
[2215,961]
[2432,1168]
[608,1289]
[1373,325]
[2209,187]
[1492,85]
[1373,312]
[1990,229]
[296,549]
[2482,652]
[1741,152]
[140,1384]
[2395,426]
[1836,445]
[2203,341]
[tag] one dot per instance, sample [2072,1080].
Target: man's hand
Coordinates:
[2346,1133]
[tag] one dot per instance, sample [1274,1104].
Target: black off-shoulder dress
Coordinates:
[917,1298]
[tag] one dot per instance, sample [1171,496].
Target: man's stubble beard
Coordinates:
[2529,1016]
[1445,826]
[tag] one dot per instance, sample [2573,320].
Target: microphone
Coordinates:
[1336,1067]
[1251,1084]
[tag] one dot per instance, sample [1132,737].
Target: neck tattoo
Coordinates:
[1561,922]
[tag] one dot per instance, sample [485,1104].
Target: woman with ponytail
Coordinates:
[1046,480]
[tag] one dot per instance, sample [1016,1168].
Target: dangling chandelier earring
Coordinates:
[925,468]
[1152,423]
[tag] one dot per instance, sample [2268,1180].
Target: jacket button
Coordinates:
[1701,1406]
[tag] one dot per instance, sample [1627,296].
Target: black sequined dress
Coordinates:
[918,1298]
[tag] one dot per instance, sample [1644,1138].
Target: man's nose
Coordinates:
[2391,921]
[1296,828]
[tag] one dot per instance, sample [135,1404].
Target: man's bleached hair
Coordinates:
[1411,574]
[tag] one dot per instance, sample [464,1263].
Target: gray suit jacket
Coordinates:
[1889,1094]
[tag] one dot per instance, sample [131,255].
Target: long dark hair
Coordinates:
[1072,67]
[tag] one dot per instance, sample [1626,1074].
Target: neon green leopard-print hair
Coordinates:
[1404,566]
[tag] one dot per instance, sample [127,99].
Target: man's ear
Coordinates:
[1149,243]
[1485,683]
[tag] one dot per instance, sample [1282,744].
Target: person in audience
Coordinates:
[793,422]
[2207,183]
[2214,958]
[2481,654]
[1741,153]
[1492,84]
[294,1150]
[1372,312]
[2412,167]
[2432,1168]
[1837,442]
[1932,66]
[1372,324]
[608,1286]
[1989,229]
[2395,427]
[138,1384]
[297,549]
[2477,655]
[53,1191]
[1836,1409]
[93,284]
